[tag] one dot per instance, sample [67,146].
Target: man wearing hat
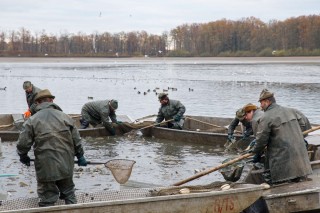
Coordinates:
[240,117]
[97,112]
[55,141]
[31,92]
[279,132]
[253,115]
[170,109]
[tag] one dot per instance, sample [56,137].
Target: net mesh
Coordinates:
[112,195]
[232,172]
[26,203]
[121,169]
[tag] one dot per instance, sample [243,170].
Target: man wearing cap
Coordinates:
[170,109]
[279,132]
[240,117]
[31,92]
[97,112]
[55,141]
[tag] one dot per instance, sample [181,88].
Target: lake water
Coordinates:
[220,86]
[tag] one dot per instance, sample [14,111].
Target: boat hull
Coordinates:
[292,197]
[11,124]
[231,201]
[196,129]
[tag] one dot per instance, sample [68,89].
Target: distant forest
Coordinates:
[298,36]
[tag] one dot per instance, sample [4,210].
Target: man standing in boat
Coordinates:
[170,109]
[279,132]
[97,112]
[56,141]
[31,92]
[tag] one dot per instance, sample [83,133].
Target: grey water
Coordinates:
[219,88]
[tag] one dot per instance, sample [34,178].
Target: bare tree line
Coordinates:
[245,37]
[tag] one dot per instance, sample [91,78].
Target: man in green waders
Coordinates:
[279,135]
[56,141]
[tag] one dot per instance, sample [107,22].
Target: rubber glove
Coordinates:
[25,159]
[230,138]
[27,114]
[112,131]
[252,143]
[256,158]
[177,118]
[245,135]
[82,161]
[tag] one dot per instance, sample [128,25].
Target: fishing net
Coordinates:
[232,172]
[121,169]
[238,146]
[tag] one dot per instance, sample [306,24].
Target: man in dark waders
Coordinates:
[279,134]
[99,112]
[56,141]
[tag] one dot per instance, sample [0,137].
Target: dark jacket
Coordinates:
[279,131]
[55,140]
[255,120]
[168,111]
[234,123]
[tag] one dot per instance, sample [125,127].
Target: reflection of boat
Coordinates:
[290,197]
[141,200]
[196,129]
[10,124]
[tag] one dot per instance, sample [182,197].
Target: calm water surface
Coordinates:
[220,87]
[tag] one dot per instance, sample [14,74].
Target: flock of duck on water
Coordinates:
[156,90]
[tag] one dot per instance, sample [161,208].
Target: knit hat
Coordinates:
[240,114]
[43,94]
[113,104]
[265,93]
[162,95]
[248,107]
[26,85]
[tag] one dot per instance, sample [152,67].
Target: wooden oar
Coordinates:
[6,125]
[214,125]
[311,130]
[187,117]
[7,175]
[200,174]
[146,127]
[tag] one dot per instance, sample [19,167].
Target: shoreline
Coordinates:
[207,60]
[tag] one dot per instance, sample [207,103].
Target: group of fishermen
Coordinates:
[56,140]
[278,136]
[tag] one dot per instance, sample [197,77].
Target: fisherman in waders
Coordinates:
[279,135]
[55,141]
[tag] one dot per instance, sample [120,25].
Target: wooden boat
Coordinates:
[291,197]
[233,200]
[196,129]
[11,124]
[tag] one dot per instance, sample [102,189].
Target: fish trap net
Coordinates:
[121,169]
[232,172]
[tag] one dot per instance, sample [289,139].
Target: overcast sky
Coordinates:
[153,16]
